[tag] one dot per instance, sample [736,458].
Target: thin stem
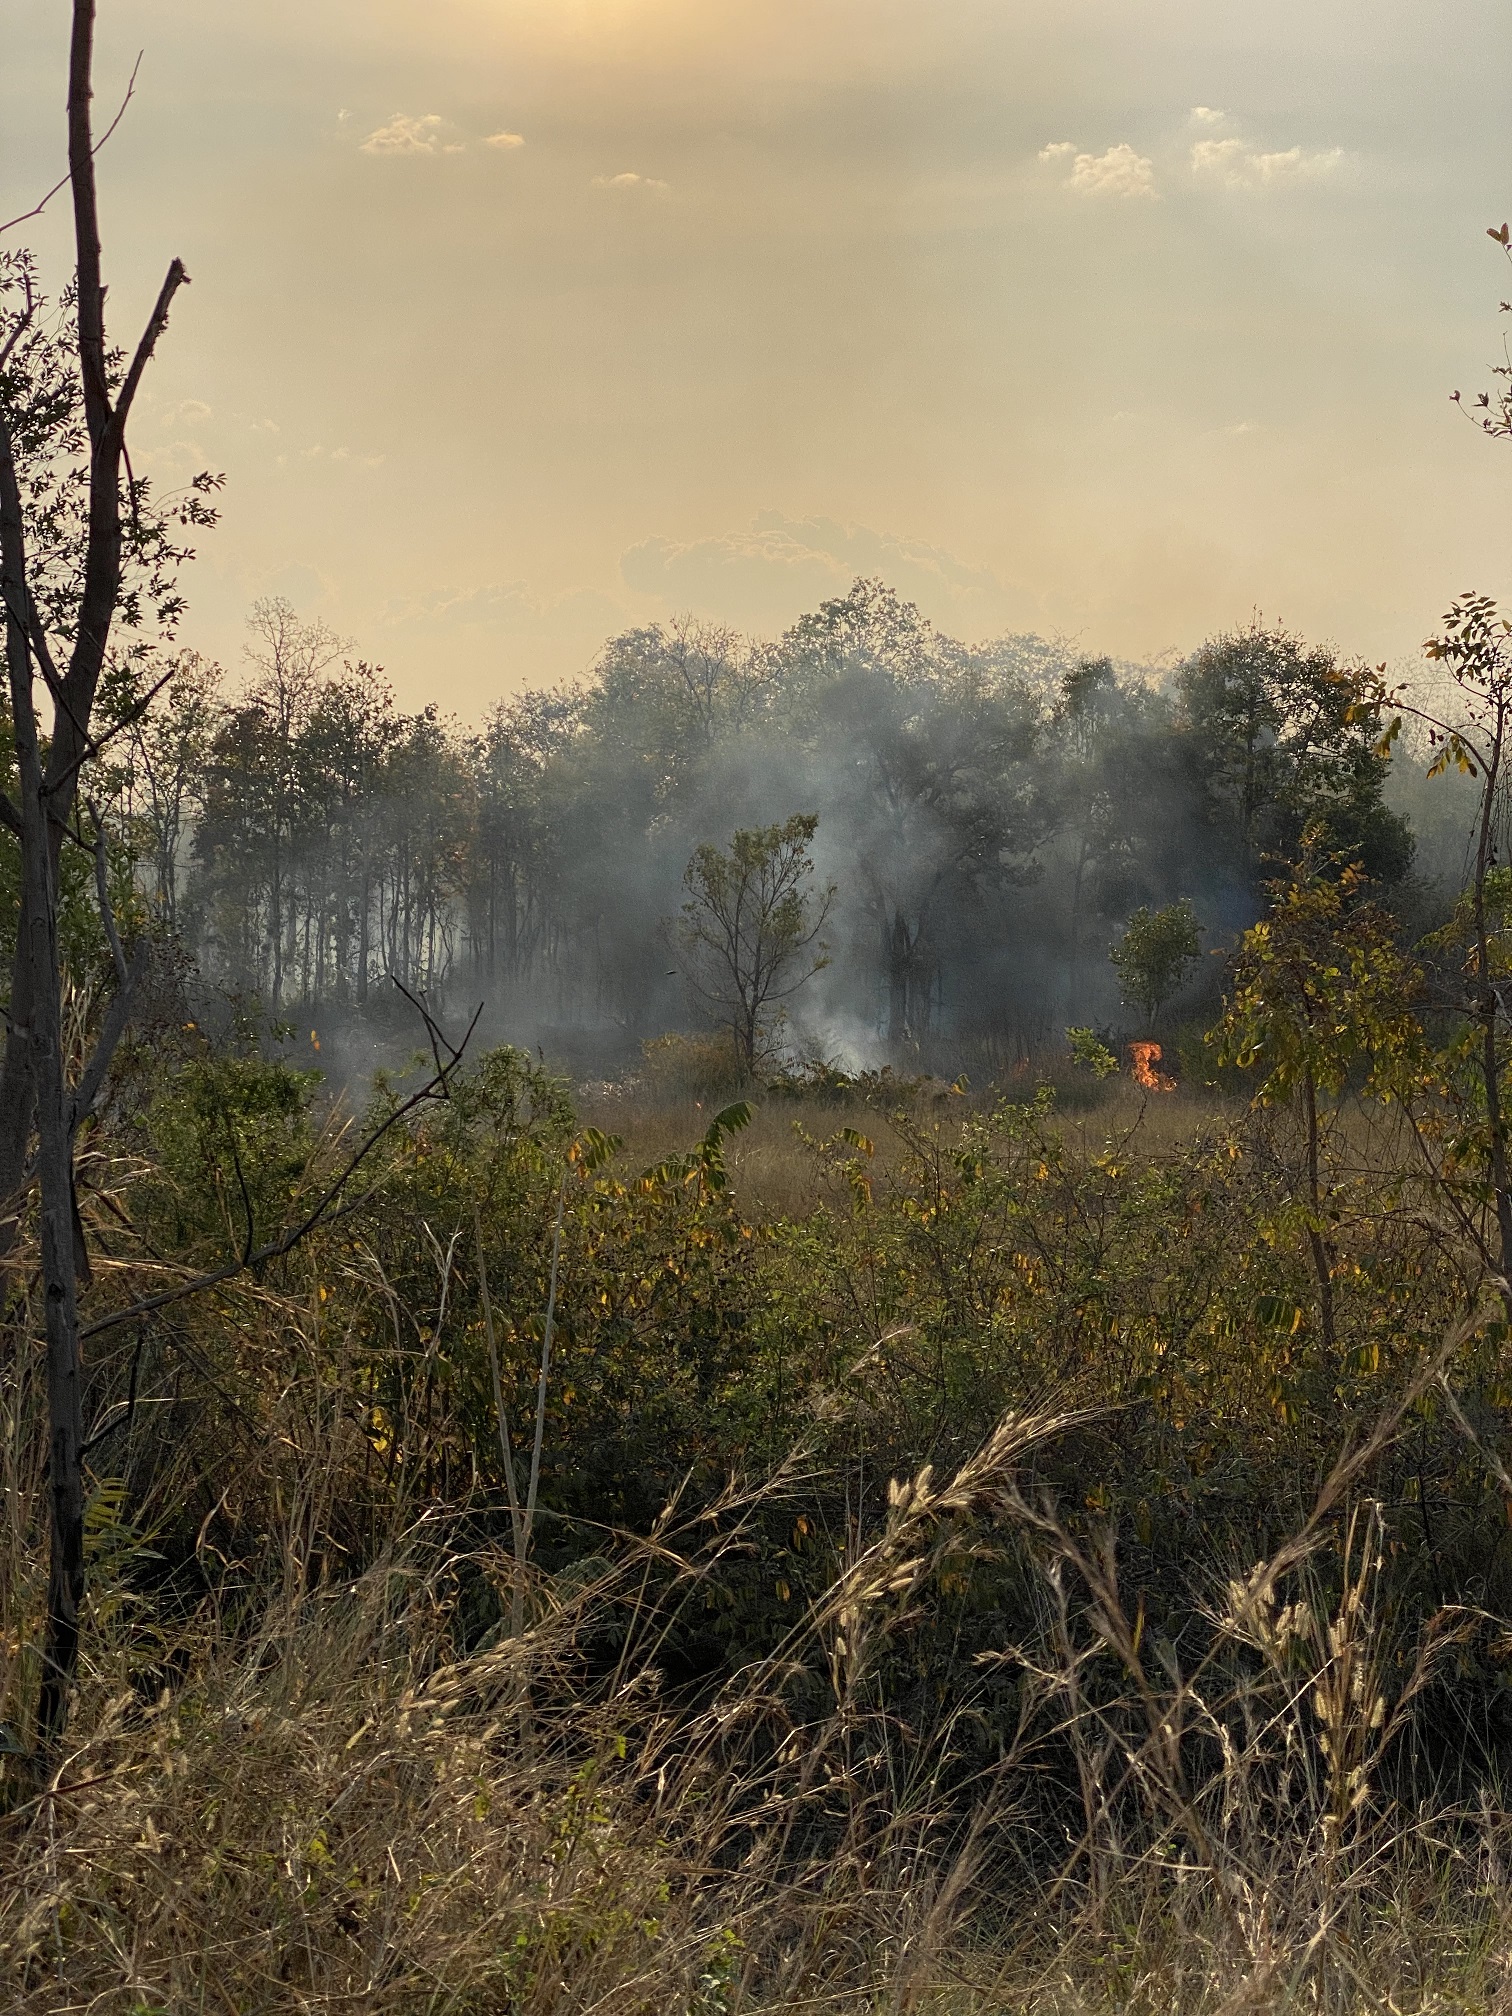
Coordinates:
[540,1419]
[505,1445]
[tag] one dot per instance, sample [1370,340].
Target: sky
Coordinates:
[515,323]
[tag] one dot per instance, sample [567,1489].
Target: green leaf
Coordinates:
[730,1121]
[1277,1312]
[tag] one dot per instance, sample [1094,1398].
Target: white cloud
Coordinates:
[187,413]
[1237,165]
[505,140]
[630,180]
[405,134]
[322,453]
[1206,115]
[1118,172]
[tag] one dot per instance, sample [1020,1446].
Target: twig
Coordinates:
[27,215]
[540,1419]
[506,1448]
[102,891]
[212,1277]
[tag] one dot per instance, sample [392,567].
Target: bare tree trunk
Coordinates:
[32,1079]
[75,691]
[40,1034]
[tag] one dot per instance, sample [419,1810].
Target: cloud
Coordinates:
[764,577]
[1237,165]
[405,134]
[187,413]
[1206,115]
[505,141]
[1118,172]
[630,180]
[508,611]
[321,453]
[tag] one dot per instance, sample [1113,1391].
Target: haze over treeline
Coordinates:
[989,816]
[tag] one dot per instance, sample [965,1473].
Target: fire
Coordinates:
[1145,1057]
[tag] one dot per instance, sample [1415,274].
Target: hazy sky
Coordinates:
[515,322]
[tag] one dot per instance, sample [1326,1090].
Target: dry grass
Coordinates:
[775,1172]
[329,1809]
[288,1793]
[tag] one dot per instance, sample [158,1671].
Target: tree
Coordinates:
[169,748]
[936,791]
[1123,802]
[82,548]
[1319,986]
[1283,737]
[1155,955]
[512,897]
[750,926]
[1475,649]
[1492,411]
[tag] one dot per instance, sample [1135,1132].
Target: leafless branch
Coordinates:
[157,322]
[102,893]
[26,215]
[112,1029]
[326,1209]
[97,743]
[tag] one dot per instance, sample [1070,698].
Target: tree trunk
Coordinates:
[38,1031]
[1322,1256]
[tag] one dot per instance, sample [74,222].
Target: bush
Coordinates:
[699,1067]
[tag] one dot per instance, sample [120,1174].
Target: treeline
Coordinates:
[989,815]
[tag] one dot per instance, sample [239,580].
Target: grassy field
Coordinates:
[964,1577]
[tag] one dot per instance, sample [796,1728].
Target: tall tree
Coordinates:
[1284,737]
[81,548]
[750,926]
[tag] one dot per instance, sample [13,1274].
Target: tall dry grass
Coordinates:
[300,1793]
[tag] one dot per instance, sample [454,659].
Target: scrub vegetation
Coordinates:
[724,1433]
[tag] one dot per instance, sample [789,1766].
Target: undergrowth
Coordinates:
[984,1590]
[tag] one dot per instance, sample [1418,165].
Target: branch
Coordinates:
[324,1210]
[157,322]
[23,323]
[102,893]
[27,215]
[92,1078]
[96,743]
[56,688]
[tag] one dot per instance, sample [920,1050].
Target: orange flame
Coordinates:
[1145,1057]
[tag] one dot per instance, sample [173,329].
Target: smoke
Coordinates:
[989,817]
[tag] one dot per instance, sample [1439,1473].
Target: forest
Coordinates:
[821,1323]
[988,817]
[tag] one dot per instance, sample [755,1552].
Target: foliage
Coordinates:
[1155,954]
[1492,411]
[750,926]
[986,813]
[1089,1050]
[1320,986]
[1286,738]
